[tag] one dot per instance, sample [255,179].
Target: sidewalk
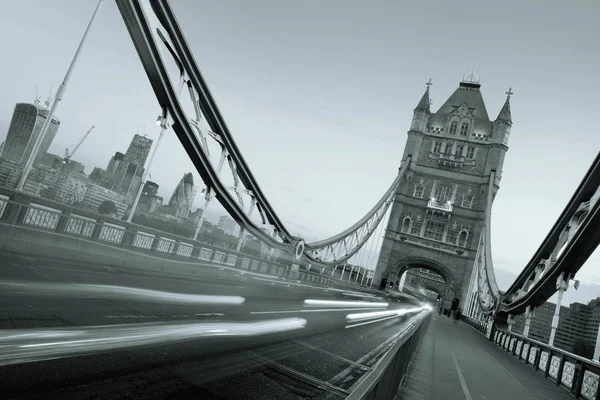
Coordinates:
[457,362]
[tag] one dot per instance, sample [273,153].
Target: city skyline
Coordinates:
[315,111]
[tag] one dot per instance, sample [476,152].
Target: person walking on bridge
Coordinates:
[457,315]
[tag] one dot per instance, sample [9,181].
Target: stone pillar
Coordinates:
[561,285]
[511,321]
[528,315]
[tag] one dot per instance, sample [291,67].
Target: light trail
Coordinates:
[28,345]
[338,303]
[82,290]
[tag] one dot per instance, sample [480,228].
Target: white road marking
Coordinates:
[461,377]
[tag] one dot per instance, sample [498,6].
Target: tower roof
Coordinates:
[467,92]
[504,114]
[425,101]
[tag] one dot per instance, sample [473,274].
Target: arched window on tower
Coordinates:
[463,236]
[453,127]
[437,147]
[464,129]
[406,225]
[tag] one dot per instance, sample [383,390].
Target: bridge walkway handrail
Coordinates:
[578,375]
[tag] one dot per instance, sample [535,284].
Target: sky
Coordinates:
[319,96]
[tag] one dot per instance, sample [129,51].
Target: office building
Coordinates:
[25,127]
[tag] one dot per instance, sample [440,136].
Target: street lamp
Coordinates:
[57,98]
[164,125]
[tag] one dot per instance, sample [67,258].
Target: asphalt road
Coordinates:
[77,331]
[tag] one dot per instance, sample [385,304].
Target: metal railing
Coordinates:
[480,326]
[55,218]
[578,375]
[384,380]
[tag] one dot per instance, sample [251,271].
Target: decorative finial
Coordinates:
[509,93]
[471,77]
[429,83]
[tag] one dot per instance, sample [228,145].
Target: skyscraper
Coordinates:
[25,127]
[128,173]
[183,196]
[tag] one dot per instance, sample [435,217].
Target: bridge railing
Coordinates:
[42,215]
[481,326]
[578,375]
[383,382]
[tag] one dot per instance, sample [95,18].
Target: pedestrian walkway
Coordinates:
[457,362]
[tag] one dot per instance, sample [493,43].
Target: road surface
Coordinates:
[77,331]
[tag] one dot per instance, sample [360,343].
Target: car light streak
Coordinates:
[29,345]
[80,290]
[338,303]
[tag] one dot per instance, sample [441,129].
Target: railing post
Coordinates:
[155,243]
[129,236]
[97,229]
[16,208]
[195,252]
[63,220]
[176,247]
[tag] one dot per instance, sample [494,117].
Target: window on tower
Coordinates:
[470,153]
[443,192]
[463,236]
[415,228]
[434,230]
[464,129]
[467,201]
[437,146]
[419,191]
[406,225]
[453,127]
[448,148]
[459,150]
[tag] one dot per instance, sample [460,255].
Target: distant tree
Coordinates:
[583,348]
[107,207]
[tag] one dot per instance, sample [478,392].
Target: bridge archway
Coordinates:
[446,290]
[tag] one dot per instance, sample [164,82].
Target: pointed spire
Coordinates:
[425,101]
[504,114]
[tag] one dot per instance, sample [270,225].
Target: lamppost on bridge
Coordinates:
[208,197]
[57,98]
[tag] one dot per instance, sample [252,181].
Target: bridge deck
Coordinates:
[457,362]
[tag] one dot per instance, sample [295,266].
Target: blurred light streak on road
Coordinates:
[27,345]
[337,303]
[81,290]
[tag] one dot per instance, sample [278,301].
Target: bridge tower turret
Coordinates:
[438,212]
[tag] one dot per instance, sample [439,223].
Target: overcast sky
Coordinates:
[319,95]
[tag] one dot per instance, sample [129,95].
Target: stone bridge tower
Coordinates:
[438,212]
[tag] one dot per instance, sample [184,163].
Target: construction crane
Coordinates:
[69,154]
